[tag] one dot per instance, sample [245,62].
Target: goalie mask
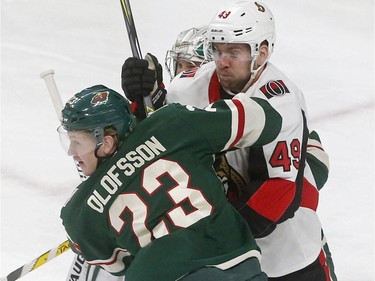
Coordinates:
[191,46]
[92,111]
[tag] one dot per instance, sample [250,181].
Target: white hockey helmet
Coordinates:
[244,22]
[192,46]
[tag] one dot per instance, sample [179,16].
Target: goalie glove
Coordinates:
[140,78]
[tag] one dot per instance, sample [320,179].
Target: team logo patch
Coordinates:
[189,73]
[100,98]
[233,183]
[274,88]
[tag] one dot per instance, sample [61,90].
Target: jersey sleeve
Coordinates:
[236,123]
[317,159]
[92,240]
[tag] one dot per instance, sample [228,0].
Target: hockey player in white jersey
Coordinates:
[244,34]
[279,203]
[266,185]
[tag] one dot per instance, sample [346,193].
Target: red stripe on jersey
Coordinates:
[189,72]
[273,198]
[241,121]
[214,88]
[310,196]
[323,263]
[318,147]
[110,261]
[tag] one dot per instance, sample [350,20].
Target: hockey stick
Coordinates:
[134,44]
[48,77]
[42,259]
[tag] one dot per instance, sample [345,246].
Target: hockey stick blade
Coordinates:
[134,44]
[48,77]
[42,259]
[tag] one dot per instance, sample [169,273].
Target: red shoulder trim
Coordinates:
[214,88]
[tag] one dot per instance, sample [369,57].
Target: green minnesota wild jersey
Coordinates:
[156,209]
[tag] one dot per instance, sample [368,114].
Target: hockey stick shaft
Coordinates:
[42,259]
[130,27]
[134,44]
[48,77]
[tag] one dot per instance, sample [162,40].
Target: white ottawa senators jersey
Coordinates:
[264,184]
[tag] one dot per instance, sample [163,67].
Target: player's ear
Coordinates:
[263,54]
[109,145]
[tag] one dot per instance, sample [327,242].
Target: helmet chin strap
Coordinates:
[102,158]
[253,72]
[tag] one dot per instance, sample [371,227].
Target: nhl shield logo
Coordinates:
[100,98]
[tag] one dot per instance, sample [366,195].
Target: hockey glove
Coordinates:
[140,78]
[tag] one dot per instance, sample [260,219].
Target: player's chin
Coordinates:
[227,83]
[225,78]
[87,170]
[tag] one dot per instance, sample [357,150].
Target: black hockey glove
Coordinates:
[140,78]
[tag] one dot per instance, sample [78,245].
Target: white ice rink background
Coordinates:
[325,47]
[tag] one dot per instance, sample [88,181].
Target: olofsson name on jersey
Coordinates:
[128,164]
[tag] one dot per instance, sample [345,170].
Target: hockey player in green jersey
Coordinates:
[153,207]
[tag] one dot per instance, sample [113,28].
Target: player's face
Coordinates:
[82,148]
[232,65]
[183,65]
